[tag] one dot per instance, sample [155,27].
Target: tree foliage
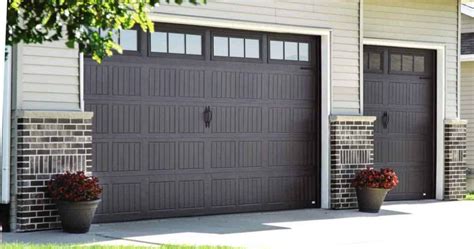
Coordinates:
[78,22]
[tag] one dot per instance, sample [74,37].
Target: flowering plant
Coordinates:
[371,178]
[74,187]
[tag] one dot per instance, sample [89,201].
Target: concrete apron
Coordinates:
[398,225]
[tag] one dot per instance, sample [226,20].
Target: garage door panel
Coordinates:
[288,189]
[291,153]
[126,156]
[237,85]
[224,154]
[191,194]
[156,158]
[162,195]
[162,82]
[125,118]
[100,122]
[121,198]
[251,154]
[405,142]
[172,82]
[291,87]
[162,155]
[190,155]
[162,119]
[190,119]
[232,119]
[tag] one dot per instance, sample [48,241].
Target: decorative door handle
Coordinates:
[207,114]
[210,116]
[385,120]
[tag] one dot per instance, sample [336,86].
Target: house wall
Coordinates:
[433,21]
[342,16]
[467,24]
[47,78]
[467,113]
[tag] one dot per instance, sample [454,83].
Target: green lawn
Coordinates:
[66,246]
[469,197]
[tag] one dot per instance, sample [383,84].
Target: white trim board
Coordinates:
[5,106]
[440,97]
[467,10]
[467,57]
[326,53]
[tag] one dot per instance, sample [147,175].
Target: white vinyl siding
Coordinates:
[342,16]
[467,24]
[421,21]
[48,77]
[467,107]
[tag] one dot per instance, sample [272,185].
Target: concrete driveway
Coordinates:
[421,224]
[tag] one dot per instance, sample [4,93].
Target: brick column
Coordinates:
[352,149]
[47,143]
[455,159]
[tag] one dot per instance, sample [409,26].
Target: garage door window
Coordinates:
[236,47]
[289,51]
[127,39]
[407,63]
[176,43]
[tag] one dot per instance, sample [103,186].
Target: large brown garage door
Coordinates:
[399,91]
[193,121]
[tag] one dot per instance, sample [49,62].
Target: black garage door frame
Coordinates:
[386,50]
[143,51]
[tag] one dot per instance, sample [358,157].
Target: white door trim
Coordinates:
[326,40]
[440,98]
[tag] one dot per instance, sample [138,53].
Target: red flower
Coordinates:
[74,187]
[385,178]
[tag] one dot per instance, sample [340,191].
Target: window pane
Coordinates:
[304,52]
[129,40]
[176,43]
[236,47]
[276,50]
[407,64]
[104,33]
[419,64]
[291,51]
[375,61]
[221,46]
[193,44]
[158,42]
[252,48]
[396,62]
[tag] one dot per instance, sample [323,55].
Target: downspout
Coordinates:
[5,106]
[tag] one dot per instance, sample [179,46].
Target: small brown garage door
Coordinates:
[193,121]
[399,91]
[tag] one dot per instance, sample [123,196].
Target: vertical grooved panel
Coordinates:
[191,155]
[191,194]
[162,195]
[162,155]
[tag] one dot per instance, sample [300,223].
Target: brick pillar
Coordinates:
[455,159]
[47,143]
[352,149]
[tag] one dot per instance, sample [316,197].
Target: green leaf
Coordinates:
[78,22]
[70,43]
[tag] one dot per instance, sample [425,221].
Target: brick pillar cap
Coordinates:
[455,121]
[55,114]
[342,118]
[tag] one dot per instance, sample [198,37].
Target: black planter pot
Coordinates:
[371,199]
[76,217]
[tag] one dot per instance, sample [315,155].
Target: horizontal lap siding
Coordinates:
[467,24]
[467,107]
[342,16]
[421,21]
[49,77]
